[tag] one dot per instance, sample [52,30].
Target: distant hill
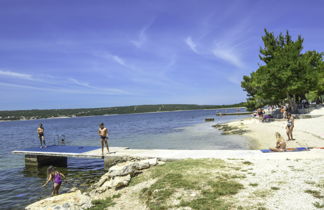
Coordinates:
[52,113]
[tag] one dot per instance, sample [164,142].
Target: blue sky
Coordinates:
[66,54]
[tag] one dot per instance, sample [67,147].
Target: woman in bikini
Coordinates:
[56,177]
[280,145]
[290,127]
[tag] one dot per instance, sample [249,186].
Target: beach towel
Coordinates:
[297,149]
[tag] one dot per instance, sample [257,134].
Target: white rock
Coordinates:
[153,162]
[122,170]
[143,164]
[120,181]
[72,201]
[102,180]
[114,183]
[161,163]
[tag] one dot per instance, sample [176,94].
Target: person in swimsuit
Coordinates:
[103,133]
[290,127]
[40,131]
[280,145]
[260,113]
[56,177]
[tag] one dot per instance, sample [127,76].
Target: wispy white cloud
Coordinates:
[228,55]
[142,37]
[50,83]
[98,89]
[103,91]
[77,82]
[16,75]
[119,60]
[191,44]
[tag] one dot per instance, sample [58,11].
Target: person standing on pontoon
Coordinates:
[103,133]
[40,132]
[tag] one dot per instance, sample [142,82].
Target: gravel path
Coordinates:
[281,184]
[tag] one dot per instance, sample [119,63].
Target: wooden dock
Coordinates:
[57,155]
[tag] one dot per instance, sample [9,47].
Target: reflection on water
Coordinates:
[20,186]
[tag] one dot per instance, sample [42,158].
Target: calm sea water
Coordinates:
[20,186]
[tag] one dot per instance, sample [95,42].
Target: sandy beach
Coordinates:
[307,132]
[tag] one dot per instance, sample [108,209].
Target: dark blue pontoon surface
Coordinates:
[61,148]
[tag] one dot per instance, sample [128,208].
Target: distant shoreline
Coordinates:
[66,117]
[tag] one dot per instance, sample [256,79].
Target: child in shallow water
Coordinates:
[56,177]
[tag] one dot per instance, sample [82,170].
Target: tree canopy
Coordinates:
[286,74]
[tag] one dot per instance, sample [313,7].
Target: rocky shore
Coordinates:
[200,184]
[117,177]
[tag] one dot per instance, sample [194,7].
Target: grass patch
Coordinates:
[207,176]
[310,182]
[253,184]
[318,205]
[211,197]
[261,193]
[247,163]
[139,179]
[275,188]
[320,184]
[314,193]
[103,203]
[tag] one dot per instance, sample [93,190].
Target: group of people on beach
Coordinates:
[281,144]
[52,173]
[286,114]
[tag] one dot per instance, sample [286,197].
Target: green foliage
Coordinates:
[104,203]
[286,73]
[315,193]
[39,114]
[318,205]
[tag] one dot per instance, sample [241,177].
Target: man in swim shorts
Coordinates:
[40,131]
[103,133]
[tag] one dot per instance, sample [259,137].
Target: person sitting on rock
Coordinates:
[280,145]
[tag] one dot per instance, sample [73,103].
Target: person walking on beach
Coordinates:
[40,131]
[103,133]
[290,126]
[56,177]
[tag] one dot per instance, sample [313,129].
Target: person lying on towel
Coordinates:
[280,145]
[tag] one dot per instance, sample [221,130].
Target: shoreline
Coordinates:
[307,132]
[136,184]
[68,117]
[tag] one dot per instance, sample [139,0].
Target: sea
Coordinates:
[20,186]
